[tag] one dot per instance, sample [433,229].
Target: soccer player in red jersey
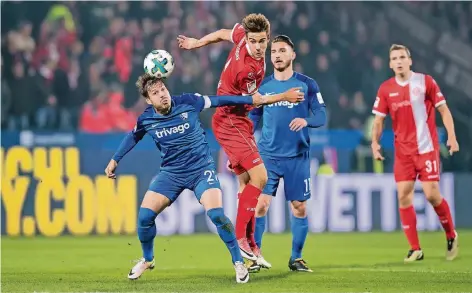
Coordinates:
[242,74]
[411,99]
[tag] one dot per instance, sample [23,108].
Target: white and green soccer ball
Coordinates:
[159,63]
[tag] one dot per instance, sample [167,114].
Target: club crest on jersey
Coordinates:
[251,86]
[417,91]
[184,116]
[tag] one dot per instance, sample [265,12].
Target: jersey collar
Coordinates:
[404,83]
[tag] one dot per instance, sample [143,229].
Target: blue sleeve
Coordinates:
[317,106]
[195,100]
[255,115]
[130,140]
[218,101]
[200,102]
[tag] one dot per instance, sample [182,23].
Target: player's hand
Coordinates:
[228,166]
[376,151]
[298,124]
[258,100]
[187,43]
[110,169]
[453,145]
[294,95]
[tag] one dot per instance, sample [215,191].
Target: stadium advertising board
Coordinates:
[57,190]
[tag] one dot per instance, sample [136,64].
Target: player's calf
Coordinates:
[441,207]
[226,232]
[147,232]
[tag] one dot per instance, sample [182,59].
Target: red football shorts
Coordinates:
[425,167]
[234,134]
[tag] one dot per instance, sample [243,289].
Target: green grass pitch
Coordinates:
[353,262]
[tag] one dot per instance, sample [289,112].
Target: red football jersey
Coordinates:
[242,74]
[411,105]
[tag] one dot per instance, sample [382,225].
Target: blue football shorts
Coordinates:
[171,185]
[296,174]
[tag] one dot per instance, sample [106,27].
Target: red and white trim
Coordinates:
[379,113]
[232,32]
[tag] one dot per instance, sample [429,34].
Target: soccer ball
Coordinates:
[159,63]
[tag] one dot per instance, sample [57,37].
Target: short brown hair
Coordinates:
[145,82]
[284,39]
[396,47]
[256,23]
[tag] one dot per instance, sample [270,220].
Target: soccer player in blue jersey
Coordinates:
[173,122]
[284,146]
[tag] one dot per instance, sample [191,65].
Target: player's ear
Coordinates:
[294,55]
[148,101]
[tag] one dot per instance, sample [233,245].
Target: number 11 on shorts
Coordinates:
[307,185]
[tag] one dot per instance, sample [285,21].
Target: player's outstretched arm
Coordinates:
[448,122]
[214,37]
[127,144]
[293,95]
[377,129]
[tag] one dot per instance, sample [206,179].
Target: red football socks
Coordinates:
[246,209]
[444,214]
[251,228]
[408,218]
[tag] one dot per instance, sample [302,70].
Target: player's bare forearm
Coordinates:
[448,121]
[377,129]
[293,95]
[214,37]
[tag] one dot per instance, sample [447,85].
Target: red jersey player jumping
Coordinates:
[243,73]
[411,99]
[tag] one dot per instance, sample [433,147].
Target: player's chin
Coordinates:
[280,67]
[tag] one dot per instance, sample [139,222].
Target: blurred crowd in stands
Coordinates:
[73,65]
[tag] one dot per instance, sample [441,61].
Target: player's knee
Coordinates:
[299,208]
[260,180]
[218,217]
[262,206]
[432,193]
[146,217]
[405,194]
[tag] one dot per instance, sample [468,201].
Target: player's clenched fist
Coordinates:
[376,151]
[187,43]
[110,169]
[294,95]
[453,145]
[298,124]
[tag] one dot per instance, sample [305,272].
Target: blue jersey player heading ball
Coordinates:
[173,123]
[284,146]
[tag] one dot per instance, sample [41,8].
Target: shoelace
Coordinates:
[240,269]
[137,261]
[302,262]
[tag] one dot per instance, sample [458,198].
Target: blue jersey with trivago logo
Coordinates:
[178,135]
[277,140]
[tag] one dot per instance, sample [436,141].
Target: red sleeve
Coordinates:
[380,105]
[238,33]
[433,91]
[246,80]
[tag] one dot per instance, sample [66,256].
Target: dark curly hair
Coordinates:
[256,23]
[145,82]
